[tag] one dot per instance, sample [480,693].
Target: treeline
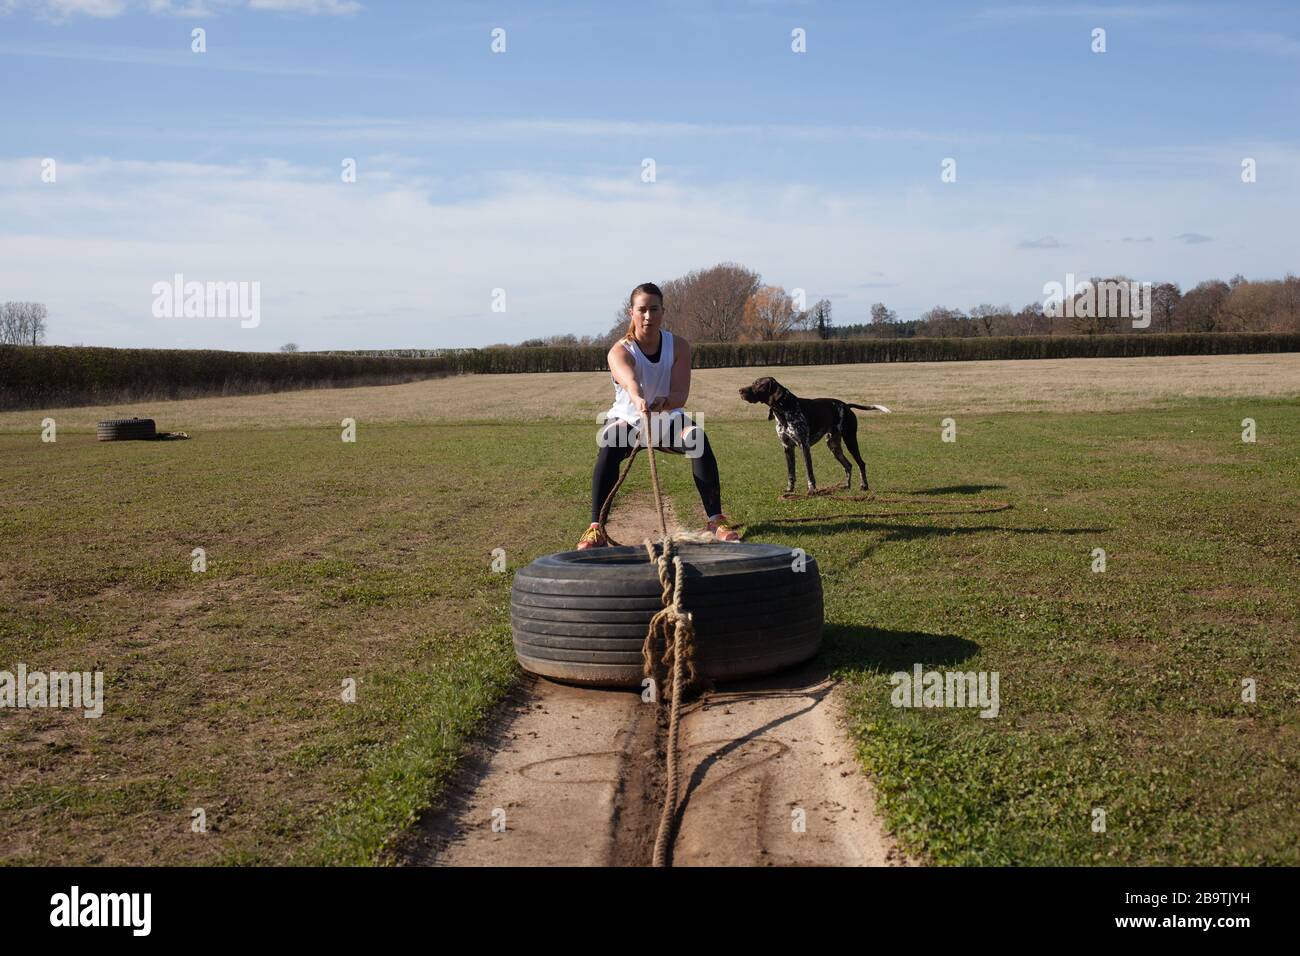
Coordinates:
[1238,305]
[50,376]
[835,351]
[45,376]
[849,351]
[730,303]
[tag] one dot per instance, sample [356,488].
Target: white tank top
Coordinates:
[653,378]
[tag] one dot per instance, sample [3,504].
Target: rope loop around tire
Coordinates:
[670,639]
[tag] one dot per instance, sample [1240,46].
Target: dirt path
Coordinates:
[575,775]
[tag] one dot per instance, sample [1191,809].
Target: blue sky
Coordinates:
[522,170]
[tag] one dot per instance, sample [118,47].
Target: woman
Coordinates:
[651,369]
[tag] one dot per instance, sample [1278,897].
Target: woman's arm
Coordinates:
[623,369]
[679,388]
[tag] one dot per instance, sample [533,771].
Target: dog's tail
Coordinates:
[868,408]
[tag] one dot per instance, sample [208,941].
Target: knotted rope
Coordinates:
[669,650]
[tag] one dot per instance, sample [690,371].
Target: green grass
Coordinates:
[1119,690]
[223,690]
[327,560]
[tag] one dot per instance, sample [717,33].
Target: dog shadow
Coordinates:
[895,531]
[890,530]
[957,490]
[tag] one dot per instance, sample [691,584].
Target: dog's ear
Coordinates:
[778,395]
[770,414]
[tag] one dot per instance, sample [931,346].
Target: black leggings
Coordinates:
[704,468]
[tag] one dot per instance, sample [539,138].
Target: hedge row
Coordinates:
[848,351]
[851,351]
[46,376]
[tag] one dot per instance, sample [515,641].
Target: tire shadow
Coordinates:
[857,647]
[892,531]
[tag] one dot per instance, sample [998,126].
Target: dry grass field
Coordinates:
[912,387]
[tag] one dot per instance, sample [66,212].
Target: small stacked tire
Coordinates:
[126,429]
[581,617]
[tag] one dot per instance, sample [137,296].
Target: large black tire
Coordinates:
[581,616]
[126,429]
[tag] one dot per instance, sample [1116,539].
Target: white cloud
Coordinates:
[178,57]
[1031,11]
[195,8]
[329,7]
[62,10]
[390,261]
[1252,41]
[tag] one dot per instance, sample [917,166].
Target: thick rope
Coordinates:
[654,482]
[669,647]
[668,652]
[609,498]
[673,630]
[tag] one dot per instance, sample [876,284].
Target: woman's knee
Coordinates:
[610,456]
[694,441]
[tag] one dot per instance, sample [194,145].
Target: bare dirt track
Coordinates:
[574,776]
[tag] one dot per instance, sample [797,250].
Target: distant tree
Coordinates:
[941,321]
[1288,317]
[1102,306]
[22,323]
[1267,305]
[986,317]
[37,313]
[1030,320]
[1200,309]
[1164,302]
[770,315]
[882,318]
[821,318]
[9,323]
[289,347]
[708,305]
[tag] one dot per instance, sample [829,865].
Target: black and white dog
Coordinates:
[803,422]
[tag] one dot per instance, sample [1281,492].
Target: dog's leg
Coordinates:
[833,443]
[851,443]
[789,468]
[807,461]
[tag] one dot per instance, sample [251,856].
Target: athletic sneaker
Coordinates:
[593,537]
[722,531]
